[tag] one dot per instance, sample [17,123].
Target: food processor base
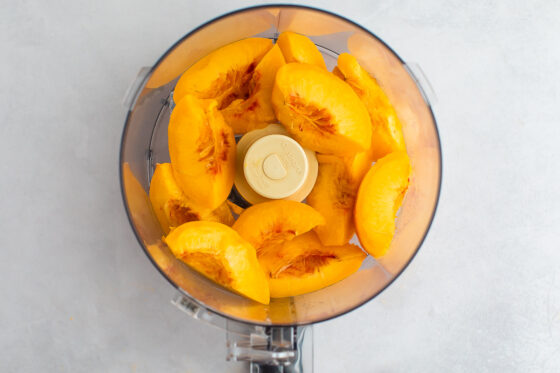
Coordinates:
[272,349]
[267,349]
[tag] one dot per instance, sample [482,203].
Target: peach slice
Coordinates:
[225,73]
[299,48]
[321,111]
[358,165]
[219,253]
[173,208]
[336,72]
[256,110]
[387,133]
[303,265]
[333,196]
[379,198]
[202,151]
[273,222]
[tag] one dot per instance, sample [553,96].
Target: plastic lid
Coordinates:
[243,146]
[275,166]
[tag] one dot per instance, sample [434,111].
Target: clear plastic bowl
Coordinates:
[144,143]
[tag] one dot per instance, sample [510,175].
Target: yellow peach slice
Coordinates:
[336,72]
[299,48]
[320,110]
[333,196]
[273,222]
[225,73]
[379,198]
[358,165]
[173,208]
[303,265]
[219,253]
[387,133]
[202,151]
[256,110]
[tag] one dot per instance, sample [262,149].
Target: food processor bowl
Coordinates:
[144,144]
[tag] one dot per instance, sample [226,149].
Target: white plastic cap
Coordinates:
[272,165]
[275,166]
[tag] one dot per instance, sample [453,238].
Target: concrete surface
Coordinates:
[78,295]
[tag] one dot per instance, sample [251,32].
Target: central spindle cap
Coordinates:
[275,166]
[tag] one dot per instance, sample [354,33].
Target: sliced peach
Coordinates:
[256,110]
[299,48]
[219,253]
[225,73]
[379,198]
[202,151]
[270,223]
[358,165]
[336,72]
[321,111]
[173,207]
[303,265]
[387,133]
[333,196]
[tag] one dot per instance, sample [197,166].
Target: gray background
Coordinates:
[78,295]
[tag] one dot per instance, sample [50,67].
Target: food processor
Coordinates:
[278,337]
